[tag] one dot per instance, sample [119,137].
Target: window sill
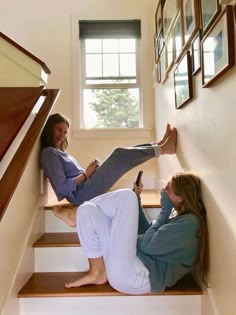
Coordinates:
[112,133]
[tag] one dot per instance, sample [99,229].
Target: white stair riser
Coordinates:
[125,305]
[54,224]
[60,259]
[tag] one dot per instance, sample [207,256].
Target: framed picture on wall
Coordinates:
[170,10]
[156,55]
[160,43]
[158,18]
[196,53]
[177,37]
[163,73]
[158,72]
[210,9]
[217,48]
[191,20]
[169,48]
[183,81]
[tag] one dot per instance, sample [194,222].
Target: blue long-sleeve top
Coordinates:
[169,248]
[67,168]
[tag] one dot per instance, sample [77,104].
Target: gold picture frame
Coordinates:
[217,48]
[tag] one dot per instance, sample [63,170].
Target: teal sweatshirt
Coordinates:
[170,247]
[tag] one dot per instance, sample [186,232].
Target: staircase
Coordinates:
[59,258]
[19,67]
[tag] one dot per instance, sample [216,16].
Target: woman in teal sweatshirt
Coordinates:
[108,226]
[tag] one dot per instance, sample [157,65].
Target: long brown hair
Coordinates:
[46,139]
[188,185]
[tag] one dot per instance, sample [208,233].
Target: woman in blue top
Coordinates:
[71,181]
[164,252]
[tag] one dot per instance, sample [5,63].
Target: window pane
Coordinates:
[127,65]
[93,45]
[110,45]
[127,45]
[110,65]
[111,108]
[93,65]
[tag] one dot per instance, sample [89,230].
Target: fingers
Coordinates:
[138,189]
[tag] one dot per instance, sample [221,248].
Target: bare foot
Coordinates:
[66,214]
[169,147]
[95,275]
[166,135]
[88,278]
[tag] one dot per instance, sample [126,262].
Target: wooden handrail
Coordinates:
[16,104]
[9,40]
[11,177]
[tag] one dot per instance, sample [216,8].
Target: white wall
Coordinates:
[206,129]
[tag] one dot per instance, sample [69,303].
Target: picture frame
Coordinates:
[162,67]
[191,20]
[183,81]
[210,10]
[158,19]
[196,53]
[217,48]
[169,12]
[160,43]
[156,55]
[235,12]
[178,37]
[158,72]
[169,51]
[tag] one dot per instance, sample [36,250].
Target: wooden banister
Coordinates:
[26,52]
[11,177]
[16,104]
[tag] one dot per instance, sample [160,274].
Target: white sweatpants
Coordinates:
[107,226]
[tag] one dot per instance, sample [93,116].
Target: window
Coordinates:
[110,74]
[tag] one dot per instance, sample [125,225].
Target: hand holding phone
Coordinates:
[137,182]
[138,179]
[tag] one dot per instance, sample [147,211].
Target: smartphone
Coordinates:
[97,161]
[137,182]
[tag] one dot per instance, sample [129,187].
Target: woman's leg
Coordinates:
[120,161]
[95,275]
[125,272]
[107,227]
[93,231]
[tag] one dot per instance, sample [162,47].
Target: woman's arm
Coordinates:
[162,219]
[52,166]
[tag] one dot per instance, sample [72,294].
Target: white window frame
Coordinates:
[77,94]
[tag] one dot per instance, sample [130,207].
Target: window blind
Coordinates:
[109,29]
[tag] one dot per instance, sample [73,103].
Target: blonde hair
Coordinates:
[188,185]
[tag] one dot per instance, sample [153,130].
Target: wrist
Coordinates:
[85,176]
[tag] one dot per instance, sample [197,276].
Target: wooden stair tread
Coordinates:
[150,199]
[66,239]
[52,284]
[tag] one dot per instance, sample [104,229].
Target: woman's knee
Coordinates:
[85,210]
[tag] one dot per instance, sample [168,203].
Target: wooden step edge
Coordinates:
[60,239]
[150,199]
[51,284]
